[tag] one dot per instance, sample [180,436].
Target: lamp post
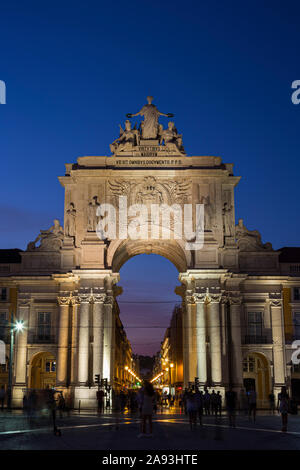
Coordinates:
[18,326]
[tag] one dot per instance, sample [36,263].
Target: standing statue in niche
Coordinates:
[92,218]
[151,115]
[227,220]
[207,212]
[71,220]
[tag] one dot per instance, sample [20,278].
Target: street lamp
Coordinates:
[18,326]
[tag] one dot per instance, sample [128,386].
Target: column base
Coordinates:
[85,397]
[18,395]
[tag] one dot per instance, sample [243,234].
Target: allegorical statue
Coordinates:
[151,115]
[248,240]
[170,136]
[50,240]
[128,138]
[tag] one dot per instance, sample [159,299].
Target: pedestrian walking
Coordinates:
[191,407]
[252,404]
[231,399]
[219,404]
[147,409]
[2,397]
[100,401]
[213,403]
[283,407]
[61,405]
[272,402]
[206,398]
[199,405]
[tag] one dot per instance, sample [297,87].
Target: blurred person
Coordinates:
[252,404]
[206,401]
[272,402]
[191,406]
[2,397]
[147,409]
[219,403]
[283,407]
[199,405]
[231,399]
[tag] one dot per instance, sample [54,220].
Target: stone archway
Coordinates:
[121,251]
[257,373]
[42,370]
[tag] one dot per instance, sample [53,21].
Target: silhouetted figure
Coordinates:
[230,397]
[272,402]
[191,406]
[147,408]
[252,404]
[2,397]
[100,401]
[218,403]
[199,405]
[206,398]
[283,407]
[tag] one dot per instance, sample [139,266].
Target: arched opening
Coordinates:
[43,371]
[257,376]
[150,311]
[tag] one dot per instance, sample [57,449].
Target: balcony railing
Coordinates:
[253,339]
[34,338]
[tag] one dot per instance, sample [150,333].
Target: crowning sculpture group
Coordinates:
[148,130]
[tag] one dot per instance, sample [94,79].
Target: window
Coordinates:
[44,326]
[255,324]
[249,364]
[50,366]
[296,293]
[3,325]
[3,293]
[297,324]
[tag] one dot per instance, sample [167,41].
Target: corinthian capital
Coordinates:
[109,300]
[24,300]
[85,295]
[99,298]
[275,299]
[63,301]
[235,298]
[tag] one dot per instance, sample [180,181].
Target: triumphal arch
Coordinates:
[148,196]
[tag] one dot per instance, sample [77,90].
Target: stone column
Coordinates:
[74,342]
[98,323]
[63,341]
[109,340]
[83,339]
[201,339]
[185,345]
[235,301]
[21,340]
[215,338]
[278,341]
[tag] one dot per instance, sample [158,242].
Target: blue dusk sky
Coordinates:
[73,69]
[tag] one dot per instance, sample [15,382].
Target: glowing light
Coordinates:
[19,325]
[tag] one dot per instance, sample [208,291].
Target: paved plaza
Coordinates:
[171,431]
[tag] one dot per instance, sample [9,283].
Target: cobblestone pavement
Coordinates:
[171,431]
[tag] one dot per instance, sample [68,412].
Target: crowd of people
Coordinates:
[147,401]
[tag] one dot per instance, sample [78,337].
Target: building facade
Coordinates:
[240,310]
